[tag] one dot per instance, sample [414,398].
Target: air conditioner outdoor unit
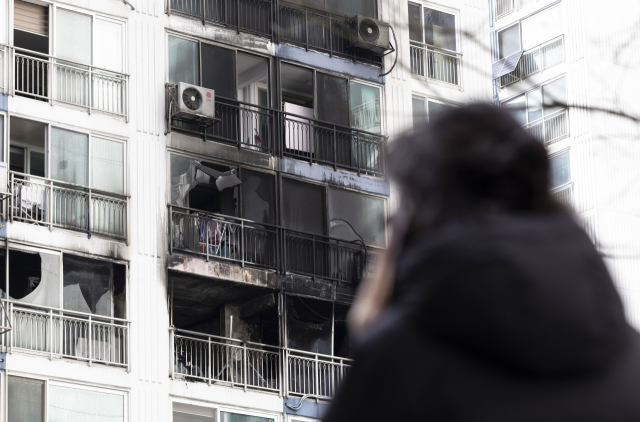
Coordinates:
[195,103]
[370,34]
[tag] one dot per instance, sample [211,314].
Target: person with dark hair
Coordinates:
[491,303]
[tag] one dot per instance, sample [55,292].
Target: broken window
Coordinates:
[258,197]
[34,277]
[303,206]
[354,216]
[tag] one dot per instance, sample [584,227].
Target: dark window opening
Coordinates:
[303,206]
[342,344]
[258,197]
[309,324]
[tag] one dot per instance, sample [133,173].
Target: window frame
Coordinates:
[50,381]
[519,24]
[426,99]
[531,89]
[235,50]
[347,77]
[439,8]
[220,408]
[90,135]
[555,154]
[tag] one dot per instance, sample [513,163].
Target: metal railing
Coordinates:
[223,237]
[564,194]
[61,333]
[436,63]
[215,359]
[253,16]
[333,145]
[550,128]
[313,374]
[536,60]
[504,7]
[3,72]
[48,202]
[47,78]
[320,31]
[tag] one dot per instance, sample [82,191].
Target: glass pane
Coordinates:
[415,26]
[509,41]
[189,413]
[436,108]
[73,36]
[534,105]
[1,138]
[365,107]
[67,404]
[25,400]
[69,156]
[303,206]
[253,73]
[518,109]
[440,29]
[87,285]
[560,170]
[542,27]
[258,197]
[555,96]
[34,278]
[419,111]
[218,70]
[16,159]
[36,163]
[107,165]
[183,61]
[234,417]
[353,216]
[108,36]
[332,103]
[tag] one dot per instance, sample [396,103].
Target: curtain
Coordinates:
[67,404]
[47,293]
[73,36]
[107,165]
[25,400]
[69,156]
[184,64]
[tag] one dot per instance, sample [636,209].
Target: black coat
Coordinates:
[513,320]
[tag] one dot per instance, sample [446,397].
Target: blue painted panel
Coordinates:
[3,361]
[4,102]
[334,64]
[308,409]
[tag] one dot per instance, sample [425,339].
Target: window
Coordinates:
[432,27]
[425,109]
[31,26]
[540,102]
[189,413]
[531,32]
[303,206]
[560,166]
[73,157]
[28,398]
[365,107]
[236,417]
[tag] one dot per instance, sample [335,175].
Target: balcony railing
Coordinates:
[253,16]
[221,237]
[46,78]
[254,366]
[221,360]
[320,31]
[52,203]
[564,194]
[59,333]
[504,7]
[3,72]
[436,63]
[216,236]
[536,60]
[550,128]
[337,146]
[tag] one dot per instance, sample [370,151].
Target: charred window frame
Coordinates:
[39,277]
[319,112]
[212,79]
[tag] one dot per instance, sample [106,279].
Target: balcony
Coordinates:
[50,203]
[536,60]
[308,28]
[255,366]
[504,7]
[286,134]
[46,78]
[286,251]
[437,64]
[59,333]
[550,128]
[564,194]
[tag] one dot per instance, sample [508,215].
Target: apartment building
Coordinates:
[574,86]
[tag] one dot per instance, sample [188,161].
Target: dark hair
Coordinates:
[469,162]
